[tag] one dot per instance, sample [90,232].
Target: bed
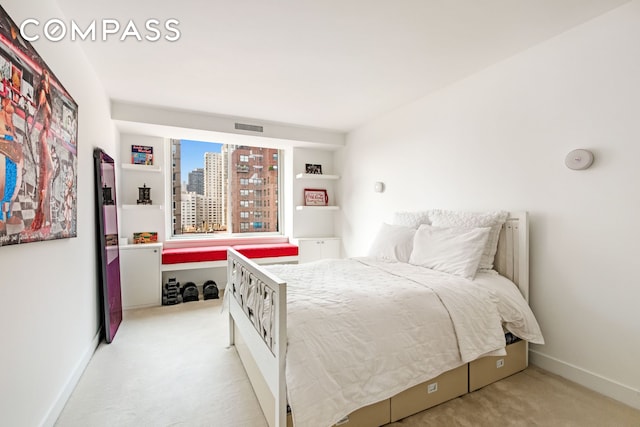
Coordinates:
[373,340]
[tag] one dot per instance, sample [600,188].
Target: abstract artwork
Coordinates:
[38,145]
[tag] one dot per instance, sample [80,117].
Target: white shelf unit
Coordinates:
[135,217]
[313,227]
[142,207]
[317,176]
[141,168]
[317,208]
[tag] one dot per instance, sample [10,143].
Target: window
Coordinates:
[215,186]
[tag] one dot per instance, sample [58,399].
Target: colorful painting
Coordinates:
[38,145]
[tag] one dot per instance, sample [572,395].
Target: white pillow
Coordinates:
[445,218]
[451,250]
[411,219]
[393,243]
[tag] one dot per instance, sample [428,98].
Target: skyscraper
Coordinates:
[215,192]
[196,181]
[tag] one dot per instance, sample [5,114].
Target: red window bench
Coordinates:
[273,251]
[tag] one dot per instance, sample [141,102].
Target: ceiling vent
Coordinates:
[252,128]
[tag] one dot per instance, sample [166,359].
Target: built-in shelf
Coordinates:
[141,207]
[316,176]
[317,208]
[141,168]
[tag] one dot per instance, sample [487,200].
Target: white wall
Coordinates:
[498,140]
[48,290]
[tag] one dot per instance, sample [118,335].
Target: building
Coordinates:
[193,212]
[196,181]
[253,174]
[215,192]
[176,189]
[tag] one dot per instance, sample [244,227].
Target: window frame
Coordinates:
[245,223]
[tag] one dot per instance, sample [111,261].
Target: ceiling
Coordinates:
[328,64]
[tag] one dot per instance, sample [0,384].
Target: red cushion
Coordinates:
[267,251]
[206,253]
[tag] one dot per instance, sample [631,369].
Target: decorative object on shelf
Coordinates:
[144,195]
[38,145]
[378,187]
[313,169]
[579,159]
[107,198]
[145,237]
[315,197]
[142,155]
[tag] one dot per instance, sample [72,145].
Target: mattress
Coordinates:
[361,331]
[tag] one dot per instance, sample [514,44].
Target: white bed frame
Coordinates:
[259,330]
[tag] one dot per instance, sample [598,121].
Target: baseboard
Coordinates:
[595,382]
[56,408]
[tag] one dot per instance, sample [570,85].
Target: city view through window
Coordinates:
[223,188]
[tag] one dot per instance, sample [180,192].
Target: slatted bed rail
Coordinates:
[258,329]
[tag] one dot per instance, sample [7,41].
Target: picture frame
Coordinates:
[142,155]
[38,145]
[313,169]
[315,197]
[145,237]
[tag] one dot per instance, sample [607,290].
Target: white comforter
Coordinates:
[360,331]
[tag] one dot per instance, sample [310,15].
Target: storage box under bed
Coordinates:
[490,369]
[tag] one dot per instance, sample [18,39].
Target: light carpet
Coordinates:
[170,366]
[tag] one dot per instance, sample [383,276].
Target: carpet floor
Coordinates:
[170,366]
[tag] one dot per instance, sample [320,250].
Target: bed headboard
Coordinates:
[512,257]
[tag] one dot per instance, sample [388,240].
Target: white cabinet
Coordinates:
[140,275]
[315,248]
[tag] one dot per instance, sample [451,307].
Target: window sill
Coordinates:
[224,240]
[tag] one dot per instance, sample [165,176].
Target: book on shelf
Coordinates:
[142,155]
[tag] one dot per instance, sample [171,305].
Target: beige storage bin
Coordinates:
[370,416]
[487,370]
[445,387]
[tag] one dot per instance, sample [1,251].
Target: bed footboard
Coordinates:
[258,329]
